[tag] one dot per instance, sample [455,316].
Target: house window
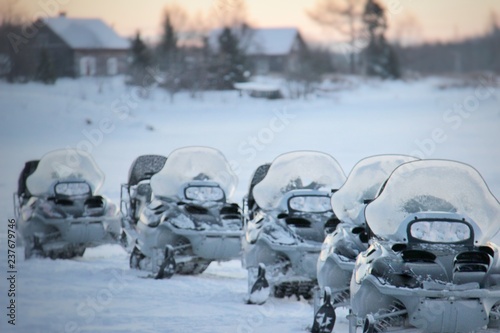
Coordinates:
[112,66]
[262,66]
[87,66]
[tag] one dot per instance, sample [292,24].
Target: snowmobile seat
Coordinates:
[144,191]
[144,167]
[258,176]
[22,190]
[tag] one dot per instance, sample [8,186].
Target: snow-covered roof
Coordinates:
[262,41]
[80,33]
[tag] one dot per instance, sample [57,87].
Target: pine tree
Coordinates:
[45,71]
[167,48]
[141,60]
[231,65]
[381,59]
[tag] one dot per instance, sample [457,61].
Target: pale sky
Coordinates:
[430,19]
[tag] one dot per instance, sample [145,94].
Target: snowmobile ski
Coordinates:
[167,267]
[260,289]
[324,320]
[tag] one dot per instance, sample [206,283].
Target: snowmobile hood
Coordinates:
[193,164]
[64,165]
[434,186]
[362,184]
[297,170]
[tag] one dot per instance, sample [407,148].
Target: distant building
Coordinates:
[82,47]
[269,50]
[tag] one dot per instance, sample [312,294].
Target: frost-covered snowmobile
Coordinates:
[433,264]
[59,211]
[287,213]
[189,221]
[342,246]
[137,194]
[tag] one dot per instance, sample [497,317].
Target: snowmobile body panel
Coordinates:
[211,245]
[287,215]
[433,264]
[338,257]
[302,256]
[185,211]
[58,209]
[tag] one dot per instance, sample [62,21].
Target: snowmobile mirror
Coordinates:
[358,230]
[282,215]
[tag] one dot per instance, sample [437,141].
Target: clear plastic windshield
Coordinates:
[193,164]
[65,165]
[298,170]
[363,184]
[434,186]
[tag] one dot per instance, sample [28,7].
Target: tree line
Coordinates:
[184,59]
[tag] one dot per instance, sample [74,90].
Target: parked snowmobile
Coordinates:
[189,222]
[58,210]
[434,262]
[341,247]
[287,213]
[137,194]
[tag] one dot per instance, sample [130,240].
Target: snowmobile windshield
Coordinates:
[433,186]
[362,184]
[298,170]
[193,164]
[64,166]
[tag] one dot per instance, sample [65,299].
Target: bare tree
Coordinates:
[407,30]
[230,13]
[11,13]
[344,17]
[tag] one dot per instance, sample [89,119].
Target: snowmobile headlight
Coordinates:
[71,189]
[440,231]
[204,193]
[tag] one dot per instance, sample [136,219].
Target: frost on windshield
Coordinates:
[64,165]
[310,203]
[434,186]
[193,164]
[298,170]
[362,184]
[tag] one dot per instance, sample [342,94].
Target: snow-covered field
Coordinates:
[98,293]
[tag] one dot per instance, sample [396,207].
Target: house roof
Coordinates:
[81,33]
[263,41]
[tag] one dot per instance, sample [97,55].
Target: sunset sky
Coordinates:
[419,19]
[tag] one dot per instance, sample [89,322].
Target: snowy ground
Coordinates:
[98,293]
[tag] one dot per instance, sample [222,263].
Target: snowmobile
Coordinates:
[287,213]
[342,246]
[189,221]
[58,209]
[433,262]
[136,194]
